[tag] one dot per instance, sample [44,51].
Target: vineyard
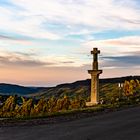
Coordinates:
[20,107]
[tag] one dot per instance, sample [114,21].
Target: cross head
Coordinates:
[95,53]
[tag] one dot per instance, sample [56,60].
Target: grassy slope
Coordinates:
[108,87]
[82,90]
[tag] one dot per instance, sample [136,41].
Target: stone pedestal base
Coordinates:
[91,103]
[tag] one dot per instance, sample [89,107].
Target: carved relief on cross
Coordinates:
[95,53]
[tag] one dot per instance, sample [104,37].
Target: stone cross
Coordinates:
[94,99]
[95,53]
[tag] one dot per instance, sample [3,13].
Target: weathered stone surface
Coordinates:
[94,79]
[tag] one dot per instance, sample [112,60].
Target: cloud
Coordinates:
[32,59]
[125,41]
[63,61]
[127,61]
[118,46]
[28,26]
[68,62]
[59,31]
[114,53]
[7,37]
[21,59]
[32,18]
[11,40]
[117,53]
[94,13]
[17,61]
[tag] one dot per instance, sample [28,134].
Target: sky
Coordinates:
[48,42]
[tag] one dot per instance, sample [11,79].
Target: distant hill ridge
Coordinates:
[12,89]
[105,80]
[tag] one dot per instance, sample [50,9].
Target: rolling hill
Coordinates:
[107,87]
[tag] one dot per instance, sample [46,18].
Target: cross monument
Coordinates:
[95,72]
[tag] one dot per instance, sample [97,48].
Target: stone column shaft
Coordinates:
[94,79]
[94,88]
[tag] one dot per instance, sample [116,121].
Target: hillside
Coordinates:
[82,88]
